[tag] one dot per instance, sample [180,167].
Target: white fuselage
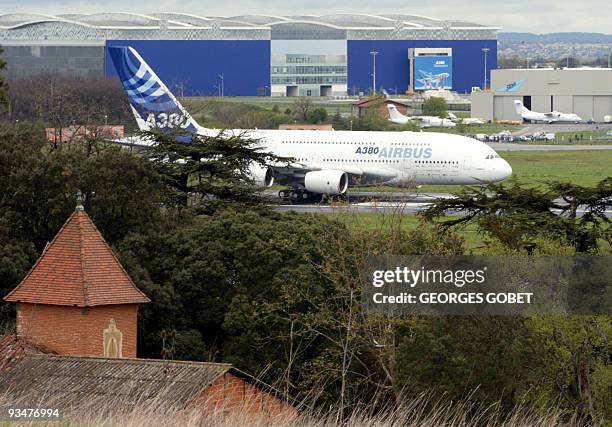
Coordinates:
[433,121]
[392,157]
[566,117]
[554,117]
[471,121]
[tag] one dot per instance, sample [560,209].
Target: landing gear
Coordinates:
[296,195]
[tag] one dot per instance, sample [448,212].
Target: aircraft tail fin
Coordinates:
[452,116]
[152,103]
[394,114]
[520,108]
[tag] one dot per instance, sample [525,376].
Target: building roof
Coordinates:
[179,26]
[74,381]
[77,268]
[13,348]
[365,102]
[125,19]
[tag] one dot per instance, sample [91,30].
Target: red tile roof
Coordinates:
[77,268]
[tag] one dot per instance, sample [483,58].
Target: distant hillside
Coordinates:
[555,38]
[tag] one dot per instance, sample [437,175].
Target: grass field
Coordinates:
[583,167]
[198,102]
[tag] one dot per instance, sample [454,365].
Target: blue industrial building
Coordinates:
[250,55]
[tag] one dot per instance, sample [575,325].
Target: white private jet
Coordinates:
[470,121]
[552,117]
[425,121]
[322,161]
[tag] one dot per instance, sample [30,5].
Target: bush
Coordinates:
[317,115]
[435,106]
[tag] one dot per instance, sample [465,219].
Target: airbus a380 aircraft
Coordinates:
[322,160]
[552,117]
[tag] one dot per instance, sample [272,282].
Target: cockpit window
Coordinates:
[492,156]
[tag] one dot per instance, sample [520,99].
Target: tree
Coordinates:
[211,170]
[61,101]
[518,215]
[576,363]
[317,115]
[38,186]
[435,106]
[3,84]
[301,108]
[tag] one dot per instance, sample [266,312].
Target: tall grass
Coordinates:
[422,411]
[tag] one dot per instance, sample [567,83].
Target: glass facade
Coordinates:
[28,61]
[308,68]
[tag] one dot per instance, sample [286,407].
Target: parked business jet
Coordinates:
[470,121]
[322,161]
[425,121]
[552,117]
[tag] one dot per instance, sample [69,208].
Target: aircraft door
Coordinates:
[467,163]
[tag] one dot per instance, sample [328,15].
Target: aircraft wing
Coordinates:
[299,169]
[551,114]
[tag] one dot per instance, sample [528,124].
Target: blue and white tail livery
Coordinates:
[153,105]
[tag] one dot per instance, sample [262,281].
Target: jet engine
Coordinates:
[263,177]
[329,181]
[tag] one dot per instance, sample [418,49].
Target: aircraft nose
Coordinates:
[505,170]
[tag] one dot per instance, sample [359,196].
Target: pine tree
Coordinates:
[3,84]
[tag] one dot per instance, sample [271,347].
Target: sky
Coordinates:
[536,16]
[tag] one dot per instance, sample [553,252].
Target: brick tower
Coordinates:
[78,300]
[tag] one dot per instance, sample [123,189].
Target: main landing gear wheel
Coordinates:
[295,195]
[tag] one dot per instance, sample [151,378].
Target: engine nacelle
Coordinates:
[328,181]
[263,177]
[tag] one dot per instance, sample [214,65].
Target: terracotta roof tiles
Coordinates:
[77,268]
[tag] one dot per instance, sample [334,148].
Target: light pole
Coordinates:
[374,53]
[222,88]
[528,62]
[609,53]
[485,50]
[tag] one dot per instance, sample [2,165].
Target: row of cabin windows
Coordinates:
[438,162]
[363,160]
[302,159]
[415,144]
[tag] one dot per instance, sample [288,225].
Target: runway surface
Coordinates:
[407,208]
[401,204]
[530,129]
[511,146]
